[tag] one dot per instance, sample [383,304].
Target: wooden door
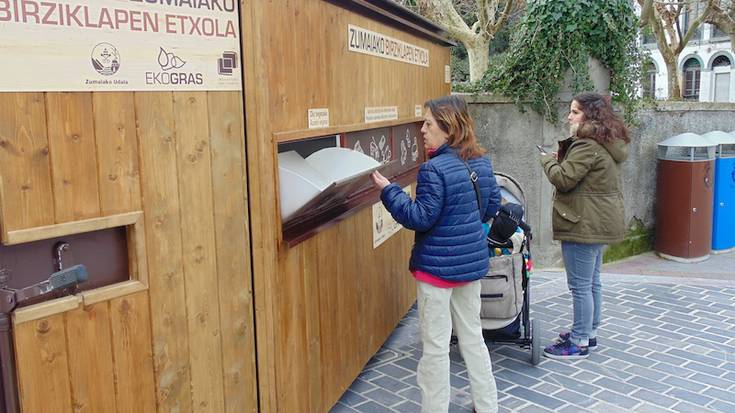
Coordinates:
[673,208]
[700,224]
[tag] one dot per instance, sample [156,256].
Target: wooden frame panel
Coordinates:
[76,227]
[94,358]
[186,342]
[89,344]
[137,254]
[131,349]
[73,156]
[157,145]
[229,178]
[198,244]
[46,365]
[25,185]
[277,102]
[117,152]
[296,135]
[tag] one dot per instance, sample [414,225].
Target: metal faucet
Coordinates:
[59,249]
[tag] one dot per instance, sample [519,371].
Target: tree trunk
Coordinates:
[478,54]
[674,80]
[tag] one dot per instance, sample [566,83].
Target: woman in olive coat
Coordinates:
[588,211]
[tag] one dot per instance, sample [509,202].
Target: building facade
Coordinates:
[706,66]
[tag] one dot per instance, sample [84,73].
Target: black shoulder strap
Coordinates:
[473,178]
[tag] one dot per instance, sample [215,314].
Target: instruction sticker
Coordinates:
[318,118]
[384,226]
[380,114]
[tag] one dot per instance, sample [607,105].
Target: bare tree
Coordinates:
[664,18]
[722,16]
[489,17]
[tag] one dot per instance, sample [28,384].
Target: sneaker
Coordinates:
[566,350]
[566,334]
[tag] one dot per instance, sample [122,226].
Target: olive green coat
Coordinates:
[588,201]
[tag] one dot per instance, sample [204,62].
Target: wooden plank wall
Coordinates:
[185,344]
[324,307]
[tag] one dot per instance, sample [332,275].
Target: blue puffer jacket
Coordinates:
[450,241]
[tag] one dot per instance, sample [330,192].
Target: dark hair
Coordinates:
[598,110]
[454,119]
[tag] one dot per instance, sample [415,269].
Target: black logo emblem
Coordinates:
[105,59]
[227,63]
[169,61]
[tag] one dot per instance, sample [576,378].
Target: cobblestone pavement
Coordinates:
[667,344]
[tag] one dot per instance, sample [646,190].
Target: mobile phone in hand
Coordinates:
[540,149]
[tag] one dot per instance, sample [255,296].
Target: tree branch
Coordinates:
[646,11]
[445,14]
[723,18]
[659,31]
[695,25]
[666,19]
[483,16]
[677,24]
[503,18]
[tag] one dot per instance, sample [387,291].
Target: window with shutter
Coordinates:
[692,74]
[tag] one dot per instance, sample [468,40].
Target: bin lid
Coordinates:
[341,164]
[719,137]
[687,139]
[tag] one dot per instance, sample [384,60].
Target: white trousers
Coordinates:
[439,308]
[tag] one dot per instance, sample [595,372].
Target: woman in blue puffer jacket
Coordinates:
[450,253]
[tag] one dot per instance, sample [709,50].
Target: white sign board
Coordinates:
[376,44]
[381,113]
[447,74]
[318,118]
[418,111]
[104,45]
[384,226]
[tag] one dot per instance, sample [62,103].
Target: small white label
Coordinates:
[384,226]
[418,111]
[381,113]
[447,74]
[318,118]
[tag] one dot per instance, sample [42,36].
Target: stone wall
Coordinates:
[510,137]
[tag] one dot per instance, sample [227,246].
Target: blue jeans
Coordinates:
[582,263]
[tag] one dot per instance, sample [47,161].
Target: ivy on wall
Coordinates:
[554,37]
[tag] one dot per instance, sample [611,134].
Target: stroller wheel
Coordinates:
[535,342]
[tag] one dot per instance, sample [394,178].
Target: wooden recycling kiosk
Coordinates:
[186,218]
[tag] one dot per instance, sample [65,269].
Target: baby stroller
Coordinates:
[505,311]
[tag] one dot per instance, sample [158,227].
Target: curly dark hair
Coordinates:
[598,110]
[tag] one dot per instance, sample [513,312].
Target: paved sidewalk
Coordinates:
[667,344]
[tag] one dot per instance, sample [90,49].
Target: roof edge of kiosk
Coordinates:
[397,15]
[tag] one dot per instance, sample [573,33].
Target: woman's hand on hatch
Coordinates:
[379,180]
